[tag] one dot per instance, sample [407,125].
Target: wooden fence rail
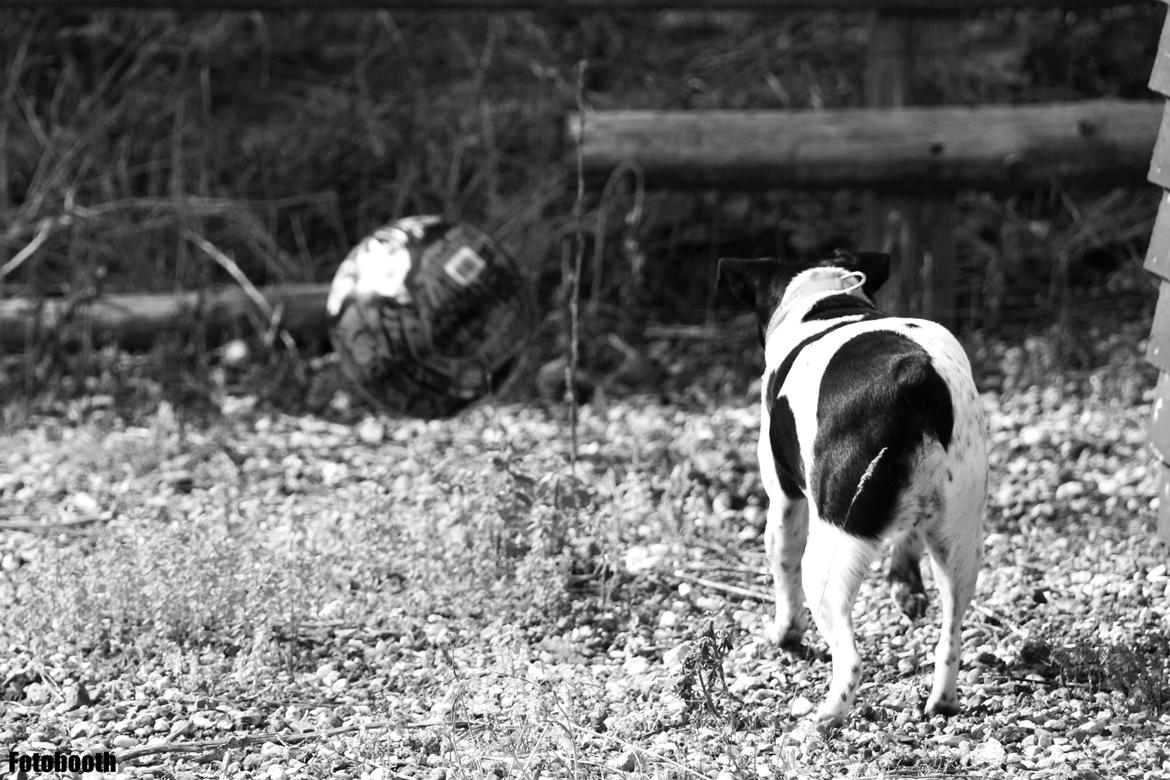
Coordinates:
[920,148]
[575,6]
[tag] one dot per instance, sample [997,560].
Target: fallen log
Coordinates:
[136,320]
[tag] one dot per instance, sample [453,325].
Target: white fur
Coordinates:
[826,562]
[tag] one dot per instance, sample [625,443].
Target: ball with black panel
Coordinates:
[429,315]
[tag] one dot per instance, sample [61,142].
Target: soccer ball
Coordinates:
[429,316]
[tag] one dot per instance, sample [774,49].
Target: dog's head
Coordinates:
[771,284]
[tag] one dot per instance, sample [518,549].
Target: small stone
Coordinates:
[202,721]
[674,658]
[86,504]
[743,683]
[1069,490]
[640,559]
[76,696]
[181,728]
[626,761]
[636,665]
[801,707]
[668,619]
[105,715]
[371,431]
[172,694]
[36,693]
[250,718]
[124,741]
[991,753]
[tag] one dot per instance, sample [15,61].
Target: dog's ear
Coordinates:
[758,283]
[750,280]
[875,266]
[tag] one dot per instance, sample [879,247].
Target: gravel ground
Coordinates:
[277,596]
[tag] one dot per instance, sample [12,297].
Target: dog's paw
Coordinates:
[829,717]
[911,601]
[788,634]
[946,704]
[805,733]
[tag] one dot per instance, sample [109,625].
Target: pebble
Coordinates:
[742,683]
[124,741]
[371,431]
[801,707]
[202,721]
[626,761]
[181,728]
[991,752]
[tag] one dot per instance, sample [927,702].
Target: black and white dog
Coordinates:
[871,433]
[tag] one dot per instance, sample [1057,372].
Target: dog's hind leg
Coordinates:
[905,576]
[784,541]
[956,567]
[834,565]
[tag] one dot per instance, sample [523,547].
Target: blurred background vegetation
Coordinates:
[283,138]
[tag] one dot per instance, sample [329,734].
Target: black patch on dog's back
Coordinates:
[782,428]
[879,392]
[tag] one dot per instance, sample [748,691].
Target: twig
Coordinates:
[632,219]
[254,739]
[43,230]
[730,332]
[272,315]
[201,206]
[714,585]
[229,265]
[578,262]
[649,754]
[987,613]
[32,527]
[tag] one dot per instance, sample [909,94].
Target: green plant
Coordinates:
[1139,669]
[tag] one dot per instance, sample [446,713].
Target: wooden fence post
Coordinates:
[1158,264]
[905,65]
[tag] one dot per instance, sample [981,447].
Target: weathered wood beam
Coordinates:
[913,148]
[561,6]
[135,320]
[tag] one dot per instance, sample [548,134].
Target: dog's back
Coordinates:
[881,408]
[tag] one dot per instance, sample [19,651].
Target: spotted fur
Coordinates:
[872,435]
